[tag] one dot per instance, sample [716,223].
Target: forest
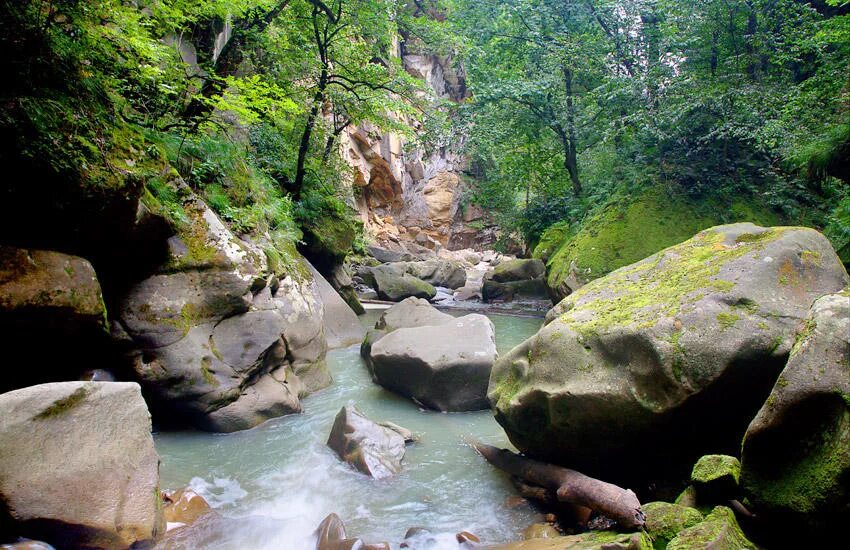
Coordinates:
[610,237]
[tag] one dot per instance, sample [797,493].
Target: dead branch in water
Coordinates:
[570,486]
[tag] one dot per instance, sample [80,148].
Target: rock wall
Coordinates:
[408,194]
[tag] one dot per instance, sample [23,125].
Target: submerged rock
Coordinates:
[331,535]
[444,367]
[796,452]
[540,531]
[184,507]
[649,361]
[78,467]
[373,449]
[718,530]
[222,340]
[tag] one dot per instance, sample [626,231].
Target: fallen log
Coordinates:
[570,486]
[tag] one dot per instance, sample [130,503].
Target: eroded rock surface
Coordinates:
[373,449]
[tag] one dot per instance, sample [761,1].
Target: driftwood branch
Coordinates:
[570,486]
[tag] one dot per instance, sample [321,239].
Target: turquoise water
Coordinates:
[278,481]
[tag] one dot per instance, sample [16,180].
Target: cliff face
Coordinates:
[408,194]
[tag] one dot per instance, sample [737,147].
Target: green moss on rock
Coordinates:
[551,240]
[664,520]
[716,476]
[720,529]
[633,227]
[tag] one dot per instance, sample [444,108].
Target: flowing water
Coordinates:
[276,483]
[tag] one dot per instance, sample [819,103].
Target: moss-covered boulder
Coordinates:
[532,289]
[796,453]
[395,287]
[716,477]
[328,239]
[664,520]
[719,530]
[630,228]
[592,540]
[51,297]
[652,359]
[551,240]
[220,339]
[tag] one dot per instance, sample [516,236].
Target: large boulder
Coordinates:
[412,312]
[373,449]
[444,273]
[49,296]
[220,338]
[395,287]
[796,452]
[78,467]
[518,270]
[530,289]
[649,361]
[444,367]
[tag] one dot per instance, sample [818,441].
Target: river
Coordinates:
[275,483]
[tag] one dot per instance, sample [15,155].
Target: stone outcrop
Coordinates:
[796,452]
[444,367]
[373,449]
[222,340]
[664,520]
[49,296]
[395,285]
[649,360]
[78,467]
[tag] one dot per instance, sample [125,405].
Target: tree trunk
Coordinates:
[617,503]
[570,153]
[304,146]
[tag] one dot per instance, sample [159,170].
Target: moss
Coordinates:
[659,287]
[206,372]
[664,520]
[63,405]
[813,483]
[630,228]
[507,388]
[809,327]
[719,530]
[551,240]
[727,320]
[711,468]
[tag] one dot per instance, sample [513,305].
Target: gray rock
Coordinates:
[796,452]
[341,326]
[650,359]
[384,255]
[444,367]
[395,288]
[373,449]
[444,273]
[518,270]
[533,289]
[412,312]
[78,467]
[220,339]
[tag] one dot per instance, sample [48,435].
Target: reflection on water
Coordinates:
[277,482]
